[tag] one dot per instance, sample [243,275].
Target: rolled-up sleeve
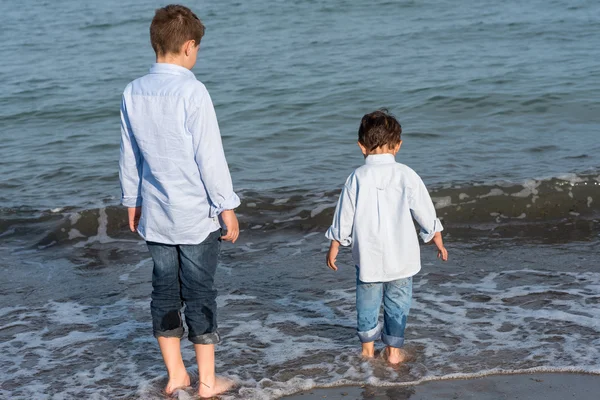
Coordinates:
[343,219]
[210,157]
[130,164]
[423,210]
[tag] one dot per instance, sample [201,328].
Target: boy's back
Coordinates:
[185,180]
[176,186]
[375,215]
[386,196]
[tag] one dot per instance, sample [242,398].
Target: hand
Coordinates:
[443,254]
[231,225]
[134,214]
[332,254]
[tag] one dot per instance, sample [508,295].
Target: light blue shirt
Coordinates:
[172,162]
[375,215]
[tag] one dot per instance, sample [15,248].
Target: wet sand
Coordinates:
[545,386]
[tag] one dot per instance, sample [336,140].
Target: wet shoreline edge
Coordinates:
[578,385]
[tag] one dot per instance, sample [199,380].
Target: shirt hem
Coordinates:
[161,239]
[389,278]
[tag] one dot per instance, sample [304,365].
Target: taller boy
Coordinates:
[176,185]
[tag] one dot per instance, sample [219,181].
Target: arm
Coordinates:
[423,212]
[334,248]
[439,243]
[212,165]
[340,232]
[130,171]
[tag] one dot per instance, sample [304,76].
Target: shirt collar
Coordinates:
[380,159]
[165,68]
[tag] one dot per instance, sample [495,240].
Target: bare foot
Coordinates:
[210,389]
[177,382]
[396,355]
[368,350]
[367,354]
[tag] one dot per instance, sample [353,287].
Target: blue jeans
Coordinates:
[397,297]
[185,274]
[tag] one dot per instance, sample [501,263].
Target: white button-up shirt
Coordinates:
[375,215]
[172,162]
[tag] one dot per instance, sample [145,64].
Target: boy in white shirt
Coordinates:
[375,215]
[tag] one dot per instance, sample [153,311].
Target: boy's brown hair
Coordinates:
[378,129]
[172,26]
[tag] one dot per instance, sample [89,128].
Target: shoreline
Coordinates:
[577,385]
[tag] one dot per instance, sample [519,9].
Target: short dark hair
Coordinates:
[172,26]
[378,129]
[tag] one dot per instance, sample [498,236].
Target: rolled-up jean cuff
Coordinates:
[393,341]
[371,335]
[178,333]
[207,338]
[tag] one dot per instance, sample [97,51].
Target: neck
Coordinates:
[175,59]
[378,154]
[380,151]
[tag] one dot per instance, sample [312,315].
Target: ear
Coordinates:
[362,148]
[188,47]
[397,148]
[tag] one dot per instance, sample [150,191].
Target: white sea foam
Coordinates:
[248,247]
[125,276]
[481,374]
[570,178]
[75,234]
[442,202]
[223,300]
[466,326]
[296,218]
[72,313]
[493,192]
[299,242]
[74,217]
[102,233]
[312,234]
[529,189]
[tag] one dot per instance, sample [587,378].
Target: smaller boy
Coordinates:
[375,215]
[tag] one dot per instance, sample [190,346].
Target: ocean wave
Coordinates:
[565,199]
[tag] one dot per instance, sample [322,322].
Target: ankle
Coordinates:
[219,386]
[368,349]
[207,382]
[204,385]
[178,373]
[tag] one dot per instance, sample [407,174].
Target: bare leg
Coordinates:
[396,355]
[210,384]
[171,352]
[368,349]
